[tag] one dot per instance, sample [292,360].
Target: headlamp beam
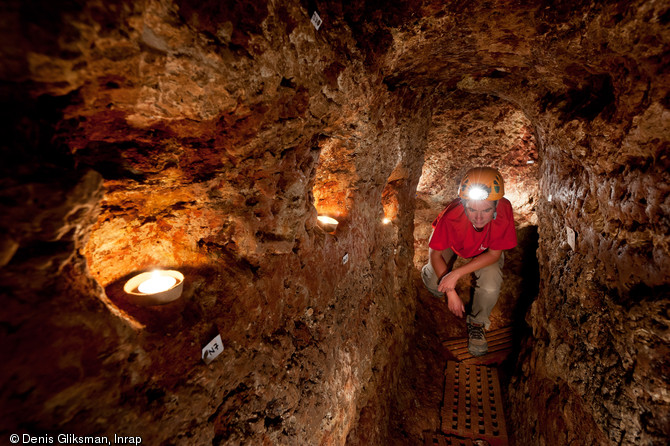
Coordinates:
[477,193]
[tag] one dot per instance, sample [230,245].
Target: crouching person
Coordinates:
[479,225]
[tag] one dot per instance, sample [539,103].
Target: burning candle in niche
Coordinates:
[155,288]
[157,283]
[328,224]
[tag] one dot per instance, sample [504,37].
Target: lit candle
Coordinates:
[157,283]
[328,224]
[386,220]
[158,287]
[327,220]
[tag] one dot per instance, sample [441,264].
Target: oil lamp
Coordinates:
[157,287]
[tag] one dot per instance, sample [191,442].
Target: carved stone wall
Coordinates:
[196,136]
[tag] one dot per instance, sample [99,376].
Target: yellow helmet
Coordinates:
[482,183]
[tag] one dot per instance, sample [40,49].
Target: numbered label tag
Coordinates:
[571,237]
[316,20]
[212,350]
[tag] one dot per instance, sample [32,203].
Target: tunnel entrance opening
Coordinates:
[471,130]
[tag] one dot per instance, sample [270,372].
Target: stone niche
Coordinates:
[206,137]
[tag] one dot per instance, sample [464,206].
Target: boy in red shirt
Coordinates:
[478,226]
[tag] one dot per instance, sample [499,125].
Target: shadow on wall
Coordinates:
[528,243]
[530,274]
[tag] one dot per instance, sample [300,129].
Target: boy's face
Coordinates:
[479,212]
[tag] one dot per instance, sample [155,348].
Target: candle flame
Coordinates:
[157,283]
[325,219]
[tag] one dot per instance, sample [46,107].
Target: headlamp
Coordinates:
[477,193]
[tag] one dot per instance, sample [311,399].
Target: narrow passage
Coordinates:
[467,406]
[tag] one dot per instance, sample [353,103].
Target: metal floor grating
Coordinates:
[443,440]
[472,405]
[499,342]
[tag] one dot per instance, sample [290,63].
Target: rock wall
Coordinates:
[594,369]
[593,81]
[600,339]
[204,137]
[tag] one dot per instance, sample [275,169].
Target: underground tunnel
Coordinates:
[204,139]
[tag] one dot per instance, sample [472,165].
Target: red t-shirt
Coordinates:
[452,229]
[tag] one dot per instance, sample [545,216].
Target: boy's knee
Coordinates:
[489,279]
[428,276]
[488,292]
[430,279]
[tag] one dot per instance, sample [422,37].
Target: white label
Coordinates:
[316,20]
[345,259]
[571,237]
[212,350]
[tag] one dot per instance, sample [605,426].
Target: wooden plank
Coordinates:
[499,346]
[472,404]
[504,332]
[445,440]
[493,344]
[499,407]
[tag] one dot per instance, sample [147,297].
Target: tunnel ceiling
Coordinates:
[577,49]
[571,55]
[479,130]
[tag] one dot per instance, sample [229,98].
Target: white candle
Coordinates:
[157,283]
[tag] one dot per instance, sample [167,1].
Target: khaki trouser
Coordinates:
[487,286]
